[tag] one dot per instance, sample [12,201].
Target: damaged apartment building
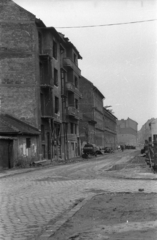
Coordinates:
[39,86]
[98,125]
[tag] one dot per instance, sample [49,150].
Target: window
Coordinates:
[62,82]
[75,128]
[76,103]
[54,49]
[76,82]
[40,43]
[28,142]
[75,59]
[55,77]
[155,137]
[72,145]
[56,105]
[42,132]
[43,151]
[71,127]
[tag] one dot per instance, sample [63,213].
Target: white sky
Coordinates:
[121,61]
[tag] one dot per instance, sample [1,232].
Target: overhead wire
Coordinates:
[110,24]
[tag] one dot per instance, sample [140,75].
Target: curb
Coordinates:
[21,171]
[50,229]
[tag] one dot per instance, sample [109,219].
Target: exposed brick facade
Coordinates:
[34,77]
[19,88]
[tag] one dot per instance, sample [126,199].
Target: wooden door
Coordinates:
[6,147]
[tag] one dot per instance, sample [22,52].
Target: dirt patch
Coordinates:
[113,216]
[136,162]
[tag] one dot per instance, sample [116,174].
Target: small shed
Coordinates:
[19,142]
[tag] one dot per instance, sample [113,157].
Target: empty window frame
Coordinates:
[72,146]
[28,142]
[55,49]
[42,132]
[56,105]
[75,59]
[76,103]
[55,77]
[40,43]
[71,128]
[76,82]
[75,128]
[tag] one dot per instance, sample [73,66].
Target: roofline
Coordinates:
[21,121]
[86,80]
[72,45]
[22,8]
[61,37]
[96,89]
[107,111]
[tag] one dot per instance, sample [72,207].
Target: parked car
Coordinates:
[99,151]
[108,150]
[89,149]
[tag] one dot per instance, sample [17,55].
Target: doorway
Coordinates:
[6,153]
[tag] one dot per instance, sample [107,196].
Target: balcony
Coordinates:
[46,113]
[67,62]
[72,137]
[70,87]
[73,112]
[46,109]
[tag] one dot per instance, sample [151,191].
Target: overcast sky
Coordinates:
[121,61]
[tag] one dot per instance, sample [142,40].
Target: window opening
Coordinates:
[54,49]
[56,105]
[55,76]
[28,142]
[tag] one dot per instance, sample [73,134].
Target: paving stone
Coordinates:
[25,201]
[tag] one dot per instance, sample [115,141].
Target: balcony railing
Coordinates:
[67,62]
[72,111]
[46,111]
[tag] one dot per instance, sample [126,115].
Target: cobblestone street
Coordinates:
[29,201]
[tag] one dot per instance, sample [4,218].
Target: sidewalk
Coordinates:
[14,171]
[136,168]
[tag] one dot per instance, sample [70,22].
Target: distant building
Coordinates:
[148,131]
[110,129]
[127,132]
[91,106]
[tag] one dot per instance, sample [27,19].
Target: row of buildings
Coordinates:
[48,110]
[148,132]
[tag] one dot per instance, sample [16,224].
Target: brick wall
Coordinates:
[19,90]
[87,102]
